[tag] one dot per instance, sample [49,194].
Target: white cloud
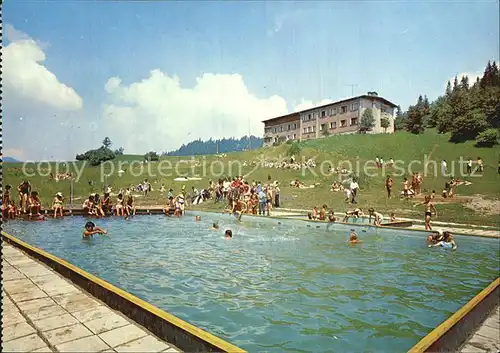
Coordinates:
[471,75]
[158,114]
[24,75]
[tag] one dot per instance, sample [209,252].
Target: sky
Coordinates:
[155,75]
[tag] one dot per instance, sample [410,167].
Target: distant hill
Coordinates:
[10,160]
[199,147]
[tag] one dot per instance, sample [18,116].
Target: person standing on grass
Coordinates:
[388,186]
[479,165]
[277,195]
[444,167]
[429,210]
[354,190]
[469,166]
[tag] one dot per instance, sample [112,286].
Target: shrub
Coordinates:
[487,138]
[294,149]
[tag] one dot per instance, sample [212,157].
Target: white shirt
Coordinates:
[443,163]
[354,186]
[378,216]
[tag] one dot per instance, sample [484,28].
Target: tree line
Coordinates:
[199,147]
[467,112]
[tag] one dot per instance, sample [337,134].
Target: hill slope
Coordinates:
[404,148]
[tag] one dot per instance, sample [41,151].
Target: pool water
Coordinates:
[295,286]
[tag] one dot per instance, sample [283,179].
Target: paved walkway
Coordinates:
[44,312]
[487,337]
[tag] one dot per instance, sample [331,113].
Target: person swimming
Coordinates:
[197,218]
[228,234]
[91,229]
[353,237]
[436,237]
[215,226]
[446,242]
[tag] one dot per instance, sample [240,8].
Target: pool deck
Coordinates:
[487,336]
[452,227]
[44,312]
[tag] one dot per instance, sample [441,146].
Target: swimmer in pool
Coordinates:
[436,237]
[447,242]
[353,237]
[215,226]
[91,229]
[228,234]
[197,218]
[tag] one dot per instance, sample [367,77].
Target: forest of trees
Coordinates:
[466,111]
[199,147]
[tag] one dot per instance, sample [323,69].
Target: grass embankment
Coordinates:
[357,149]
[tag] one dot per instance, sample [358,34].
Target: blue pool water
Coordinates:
[295,286]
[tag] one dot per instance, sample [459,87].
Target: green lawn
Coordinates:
[357,149]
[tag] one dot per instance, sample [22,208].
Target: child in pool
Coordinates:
[353,237]
[215,226]
[228,234]
[91,229]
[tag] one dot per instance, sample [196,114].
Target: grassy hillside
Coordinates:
[357,149]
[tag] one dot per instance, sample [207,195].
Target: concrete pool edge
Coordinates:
[166,326]
[450,335]
[352,224]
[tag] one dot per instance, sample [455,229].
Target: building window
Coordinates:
[316,115]
[305,130]
[323,126]
[333,125]
[309,116]
[281,128]
[323,114]
[354,107]
[343,123]
[343,109]
[274,129]
[309,129]
[334,111]
[294,136]
[354,121]
[294,126]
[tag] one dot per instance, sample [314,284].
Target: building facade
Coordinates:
[342,117]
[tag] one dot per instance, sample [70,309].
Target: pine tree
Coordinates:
[464,82]
[448,89]
[455,84]
[400,120]
[414,122]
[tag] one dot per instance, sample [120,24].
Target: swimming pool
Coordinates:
[280,287]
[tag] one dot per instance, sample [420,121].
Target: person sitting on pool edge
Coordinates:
[331,217]
[228,234]
[378,217]
[357,212]
[447,242]
[91,229]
